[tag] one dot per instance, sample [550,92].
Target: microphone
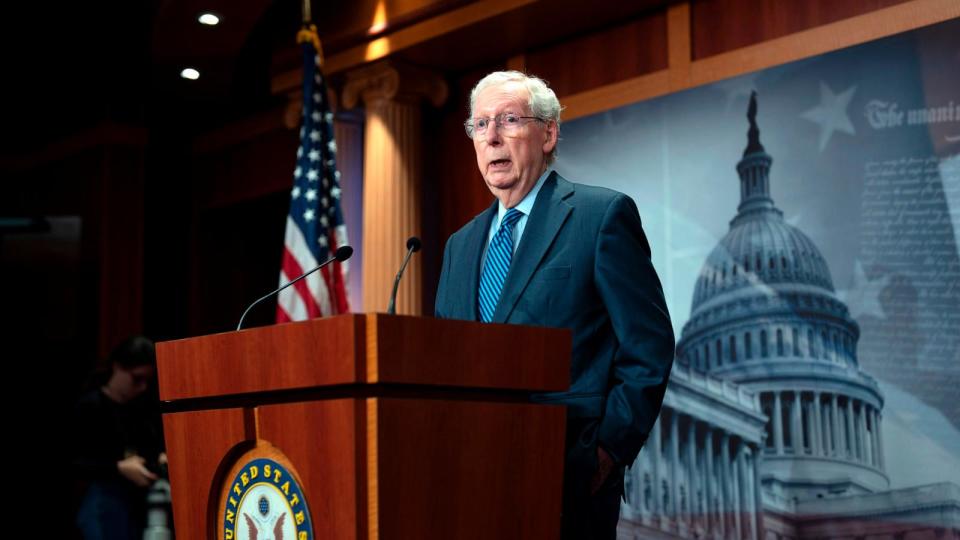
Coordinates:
[413,244]
[343,253]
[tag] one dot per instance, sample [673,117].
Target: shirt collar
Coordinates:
[526,204]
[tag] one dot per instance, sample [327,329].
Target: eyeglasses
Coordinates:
[509,123]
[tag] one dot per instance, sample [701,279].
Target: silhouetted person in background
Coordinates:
[118,444]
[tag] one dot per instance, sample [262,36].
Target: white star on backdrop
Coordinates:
[308,215]
[298,172]
[295,192]
[311,194]
[316,116]
[314,155]
[316,97]
[863,296]
[831,113]
[314,135]
[312,175]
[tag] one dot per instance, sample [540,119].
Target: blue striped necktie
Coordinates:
[497,264]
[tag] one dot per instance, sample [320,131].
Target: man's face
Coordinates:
[511,164]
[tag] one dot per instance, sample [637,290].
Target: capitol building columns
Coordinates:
[710,517]
[879,438]
[696,479]
[823,425]
[820,435]
[852,450]
[835,424]
[693,477]
[657,469]
[796,428]
[726,524]
[777,424]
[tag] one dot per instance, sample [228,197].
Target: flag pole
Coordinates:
[309,33]
[306,13]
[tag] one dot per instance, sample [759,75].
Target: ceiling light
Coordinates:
[208,19]
[190,73]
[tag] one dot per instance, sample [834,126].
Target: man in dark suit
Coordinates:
[553,253]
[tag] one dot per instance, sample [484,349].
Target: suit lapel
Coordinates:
[475,242]
[549,213]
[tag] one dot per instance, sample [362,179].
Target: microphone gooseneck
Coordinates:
[413,245]
[343,253]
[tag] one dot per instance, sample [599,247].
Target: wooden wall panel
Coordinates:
[724,25]
[236,259]
[629,50]
[257,166]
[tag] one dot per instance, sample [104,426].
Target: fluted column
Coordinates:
[392,174]
[691,471]
[835,416]
[851,433]
[638,492]
[808,429]
[777,423]
[875,443]
[641,483]
[828,441]
[749,511]
[658,509]
[819,447]
[725,506]
[882,463]
[674,465]
[864,450]
[739,496]
[796,431]
[348,133]
[710,483]
[757,497]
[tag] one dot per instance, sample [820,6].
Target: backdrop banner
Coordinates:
[807,242]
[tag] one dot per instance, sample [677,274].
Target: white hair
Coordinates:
[542,100]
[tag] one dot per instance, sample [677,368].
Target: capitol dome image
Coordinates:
[769,427]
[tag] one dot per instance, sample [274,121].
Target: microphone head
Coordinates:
[413,243]
[343,253]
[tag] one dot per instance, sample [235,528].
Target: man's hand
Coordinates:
[135,470]
[604,466]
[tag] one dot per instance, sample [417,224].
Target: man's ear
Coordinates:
[550,137]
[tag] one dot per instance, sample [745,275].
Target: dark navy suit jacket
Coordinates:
[583,263]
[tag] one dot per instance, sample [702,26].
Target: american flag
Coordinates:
[315,227]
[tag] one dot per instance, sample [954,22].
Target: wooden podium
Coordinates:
[393,427]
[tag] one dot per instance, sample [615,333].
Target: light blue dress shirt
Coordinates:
[525,206]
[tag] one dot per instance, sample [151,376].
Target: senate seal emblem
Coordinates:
[262,500]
